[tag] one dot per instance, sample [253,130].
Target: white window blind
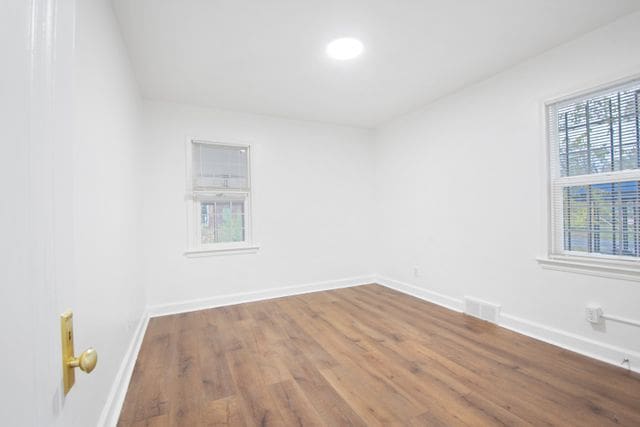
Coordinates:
[219,167]
[220,195]
[595,173]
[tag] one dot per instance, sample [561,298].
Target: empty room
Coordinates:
[320,213]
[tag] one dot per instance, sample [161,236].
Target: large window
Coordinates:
[219,193]
[595,174]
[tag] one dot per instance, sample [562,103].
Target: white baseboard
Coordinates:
[115,399]
[563,339]
[446,301]
[576,343]
[242,297]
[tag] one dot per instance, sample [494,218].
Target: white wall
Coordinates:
[109,294]
[460,191]
[312,204]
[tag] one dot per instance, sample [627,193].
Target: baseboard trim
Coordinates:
[243,297]
[578,344]
[115,399]
[446,301]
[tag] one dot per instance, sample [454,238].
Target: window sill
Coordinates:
[222,250]
[624,270]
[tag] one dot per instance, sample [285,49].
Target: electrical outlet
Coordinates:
[594,313]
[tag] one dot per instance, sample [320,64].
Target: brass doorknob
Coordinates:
[86,362]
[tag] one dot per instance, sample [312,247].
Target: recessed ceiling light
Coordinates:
[344,48]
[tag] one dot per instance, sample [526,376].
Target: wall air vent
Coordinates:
[481,309]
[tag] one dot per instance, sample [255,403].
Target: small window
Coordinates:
[595,174]
[219,193]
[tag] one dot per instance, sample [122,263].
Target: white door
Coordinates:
[36,213]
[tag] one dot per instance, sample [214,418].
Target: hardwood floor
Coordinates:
[364,356]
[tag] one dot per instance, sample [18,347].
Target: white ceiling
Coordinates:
[268,56]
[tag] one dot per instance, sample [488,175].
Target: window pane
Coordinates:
[600,134]
[222,221]
[221,167]
[600,160]
[207,222]
[603,218]
[575,219]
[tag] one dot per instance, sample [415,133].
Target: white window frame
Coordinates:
[194,198]
[555,257]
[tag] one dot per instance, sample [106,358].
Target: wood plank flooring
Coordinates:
[364,356]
